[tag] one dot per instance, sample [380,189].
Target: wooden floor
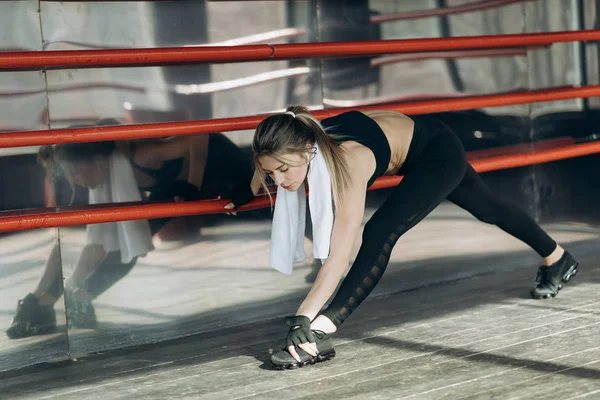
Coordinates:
[476,336]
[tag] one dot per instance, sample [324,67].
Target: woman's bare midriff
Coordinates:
[398,129]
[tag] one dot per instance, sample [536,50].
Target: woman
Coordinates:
[181,168]
[358,147]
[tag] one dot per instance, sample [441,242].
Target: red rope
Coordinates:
[265,52]
[439,12]
[35,219]
[141,131]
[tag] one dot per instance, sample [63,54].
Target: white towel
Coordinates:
[289,218]
[132,238]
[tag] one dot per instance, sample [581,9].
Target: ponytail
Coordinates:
[290,132]
[333,154]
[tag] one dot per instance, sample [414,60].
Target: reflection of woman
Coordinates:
[357,148]
[188,168]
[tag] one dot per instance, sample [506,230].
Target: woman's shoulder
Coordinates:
[359,159]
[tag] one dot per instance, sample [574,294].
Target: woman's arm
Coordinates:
[196,146]
[244,196]
[346,227]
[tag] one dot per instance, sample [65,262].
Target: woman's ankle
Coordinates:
[324,324]
[44,299]
[555,256]
[80,294]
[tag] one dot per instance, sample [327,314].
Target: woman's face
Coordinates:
[88,174]
[289,174]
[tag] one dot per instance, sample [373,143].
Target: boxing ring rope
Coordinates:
[298,31]
[156,130]
[489,160]
[17,221]
[256,79]
[61,59]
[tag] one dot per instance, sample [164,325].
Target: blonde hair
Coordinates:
[286,133]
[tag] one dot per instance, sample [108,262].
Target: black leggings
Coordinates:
[435,169]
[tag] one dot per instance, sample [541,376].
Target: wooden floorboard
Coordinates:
[474,336]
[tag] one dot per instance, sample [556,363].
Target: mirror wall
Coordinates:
[119,285]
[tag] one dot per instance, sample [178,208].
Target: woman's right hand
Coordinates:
[230,206]
[242,195]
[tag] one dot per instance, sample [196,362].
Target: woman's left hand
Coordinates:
[300,335]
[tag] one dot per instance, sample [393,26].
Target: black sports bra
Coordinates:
[358,127]
[165,175]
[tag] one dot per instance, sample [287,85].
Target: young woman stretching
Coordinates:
[358,147]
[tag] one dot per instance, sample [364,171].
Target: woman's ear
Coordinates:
[311,152]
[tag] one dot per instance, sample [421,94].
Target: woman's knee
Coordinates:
[374,232]
[110,271]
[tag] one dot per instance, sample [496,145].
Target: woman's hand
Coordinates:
[242,194]
[300,335]
[230,206]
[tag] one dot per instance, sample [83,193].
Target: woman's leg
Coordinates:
[428,181]
[473,195]
[108,272]
[88,261]
[35,313]
[50,287]
[80,293]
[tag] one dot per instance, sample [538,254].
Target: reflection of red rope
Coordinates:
[142,131]
[460,9]
[439,12]
[35,219]
[413,97]
[255,38]
[450,55]
[279,74]
[265,52]
[77,87]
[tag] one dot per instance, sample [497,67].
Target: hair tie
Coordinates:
[291,113]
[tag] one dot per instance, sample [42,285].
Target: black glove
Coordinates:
[241,194]
[299,331]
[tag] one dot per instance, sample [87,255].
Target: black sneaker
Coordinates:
[284,360]
[31,319]
[80,314]
[549,280]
